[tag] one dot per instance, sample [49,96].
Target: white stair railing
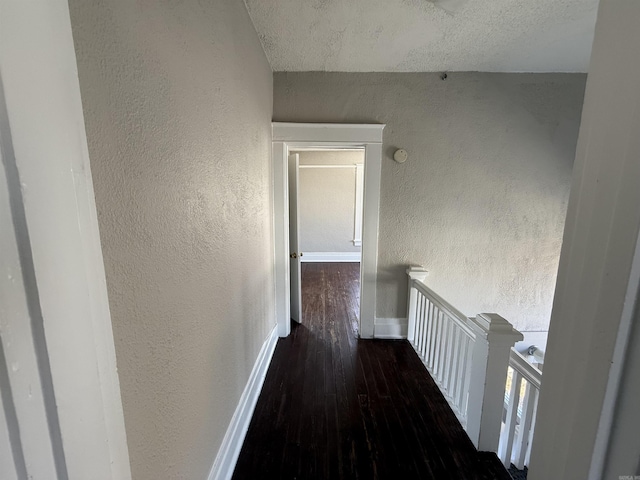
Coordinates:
[520,407]
[467,358]
[441,336]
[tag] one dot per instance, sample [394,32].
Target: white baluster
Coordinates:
[433,341]
[468,363]
[465,368]
[446,325]
[436,345]
[508,433]
[524,429]
[453,372]
[428,339]
[441,324]
[460,362]
[446,374]
[535,395]
[425,321]
[443,347]
[417,300]
[419,324]
[420,274]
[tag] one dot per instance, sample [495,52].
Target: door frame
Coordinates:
[61,408]
[290,136]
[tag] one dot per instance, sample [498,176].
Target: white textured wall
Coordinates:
[177,98]
[481,201]
[327,202]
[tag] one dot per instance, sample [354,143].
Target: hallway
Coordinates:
[333,406]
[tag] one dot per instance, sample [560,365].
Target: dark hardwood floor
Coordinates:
[333,406]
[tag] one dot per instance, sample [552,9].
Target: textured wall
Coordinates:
[426,35]
[327,202]
[481,201]
[177,98]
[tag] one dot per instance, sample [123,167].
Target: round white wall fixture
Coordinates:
[400,155]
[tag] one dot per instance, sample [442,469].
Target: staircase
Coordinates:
[491,388]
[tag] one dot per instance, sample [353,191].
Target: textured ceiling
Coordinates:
[425,36]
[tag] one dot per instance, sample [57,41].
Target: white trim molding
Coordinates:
[357,223]
[329,165]
[227,457]
[60,388]
[329,136]
[589,396]
[319,136]
[390,328]
[331,257]
[328,149]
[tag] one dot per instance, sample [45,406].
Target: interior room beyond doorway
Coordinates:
[330,196]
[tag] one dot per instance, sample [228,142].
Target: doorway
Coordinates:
[325,226]
[290,137]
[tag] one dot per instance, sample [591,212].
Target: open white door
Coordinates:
[295,254]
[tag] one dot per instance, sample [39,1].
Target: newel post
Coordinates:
[494,338]
[420,274]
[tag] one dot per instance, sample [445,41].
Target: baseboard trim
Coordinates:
[390,328]
[227,457]
[331,257]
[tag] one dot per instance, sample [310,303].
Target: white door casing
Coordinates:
[294,236]
[357,223]
[60,391]
[292,136]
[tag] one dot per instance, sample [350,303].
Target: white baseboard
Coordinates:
[227,457]
[331,257]
[390,328]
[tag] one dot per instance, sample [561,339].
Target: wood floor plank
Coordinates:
[336,407]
